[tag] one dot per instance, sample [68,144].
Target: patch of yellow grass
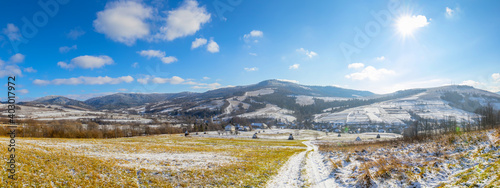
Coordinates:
[56,162]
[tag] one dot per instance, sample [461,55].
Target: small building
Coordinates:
[259,125]
[243,128]
[230,128]
[290,137]
[358,139]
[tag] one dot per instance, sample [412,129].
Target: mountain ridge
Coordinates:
[287,100]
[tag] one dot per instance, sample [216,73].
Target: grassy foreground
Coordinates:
[152,161]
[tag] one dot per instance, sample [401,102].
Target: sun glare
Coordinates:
[406,25]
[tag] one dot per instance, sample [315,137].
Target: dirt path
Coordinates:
[304,169]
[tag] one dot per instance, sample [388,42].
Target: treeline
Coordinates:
[460,101]
[487,118]
[77,129]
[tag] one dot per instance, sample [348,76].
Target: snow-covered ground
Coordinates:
[471,159]
[309,100]
[255,93]
[57,112]
[396,111]
[271,111]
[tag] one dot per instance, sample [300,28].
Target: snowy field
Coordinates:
[283,134]
[148,161]
[57,112]
[395,112]
[271,111]
[463,160]
[313,159]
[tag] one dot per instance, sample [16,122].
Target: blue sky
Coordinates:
[82,49]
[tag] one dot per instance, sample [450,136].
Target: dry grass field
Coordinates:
[150,161]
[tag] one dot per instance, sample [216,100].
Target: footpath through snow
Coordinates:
[454,160]
[304,169]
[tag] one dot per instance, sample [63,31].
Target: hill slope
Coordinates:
[287,102]
[60,100]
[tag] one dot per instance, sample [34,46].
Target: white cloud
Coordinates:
[381,58]
[135,65]
[41,82]
[449,12]
[12,32]
[10,68]
[490,86]
[17,58]
[370,73]
[254,33]
[206,78]
[286,80]
[396,85]
[496,77]
[143,80]
[152,53]
[355,65]
[159,80]
[308,53]
[251,69]
[198,42]
[212,46]
[122,89]
[87,62]
[75,33]
[252,54]
[169,59]
[66,49]
[124,21]
[472,83]
[85,80]
[23,91]
[184,21]
[158,54]
[207,86]
[294,66]
[29,69]
[407,24]
[190,82]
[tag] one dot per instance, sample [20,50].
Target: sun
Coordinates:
[406,25]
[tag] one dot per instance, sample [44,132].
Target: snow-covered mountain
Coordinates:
[457,102]
[287,102]
[60,100]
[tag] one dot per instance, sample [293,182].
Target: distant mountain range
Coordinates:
[126,100]
[277,99]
